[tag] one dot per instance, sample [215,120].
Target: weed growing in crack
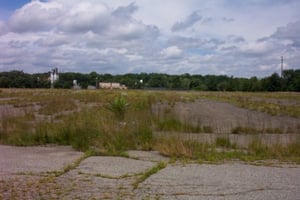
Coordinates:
[148,173]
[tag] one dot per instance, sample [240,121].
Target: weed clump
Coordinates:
[118,107]
[224,142]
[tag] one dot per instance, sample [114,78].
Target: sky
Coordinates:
[221,37]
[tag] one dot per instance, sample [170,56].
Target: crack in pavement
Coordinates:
[113,178]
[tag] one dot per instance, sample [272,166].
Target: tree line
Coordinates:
[290,81]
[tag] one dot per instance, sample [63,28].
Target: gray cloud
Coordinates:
[236,39]
[188,22]
[3,28]
[289,32]
[225,19]
[118,36]
[125,11]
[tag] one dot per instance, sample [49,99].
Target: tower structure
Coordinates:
[54,76]
[281,66]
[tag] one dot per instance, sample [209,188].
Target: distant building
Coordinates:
[104,85]
[54,76]
[75,85]
[91,87]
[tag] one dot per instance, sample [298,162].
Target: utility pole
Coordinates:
[281,66]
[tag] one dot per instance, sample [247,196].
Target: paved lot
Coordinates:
[36,159]
[32,173]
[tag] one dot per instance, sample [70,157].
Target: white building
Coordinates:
[103,85]
[54,76]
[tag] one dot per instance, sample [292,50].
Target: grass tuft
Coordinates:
[150,172]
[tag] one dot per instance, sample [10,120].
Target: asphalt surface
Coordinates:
[39,173]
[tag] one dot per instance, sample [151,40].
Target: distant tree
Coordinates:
[158,81]
[291,80]
[272,83]
[5,82]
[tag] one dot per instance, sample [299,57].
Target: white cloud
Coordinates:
[86,16]
[172,52]
[134,57]
[35,16]
[256,49]
[113,50]
[118,36]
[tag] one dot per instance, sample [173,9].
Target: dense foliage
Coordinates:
[290,81]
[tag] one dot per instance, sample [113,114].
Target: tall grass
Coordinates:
[118,106]
[109,122]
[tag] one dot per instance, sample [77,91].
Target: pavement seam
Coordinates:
[144,176]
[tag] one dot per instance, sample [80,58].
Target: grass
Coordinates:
[177,148]
[263,102]
[148,173]
[253,130]
[112,122]
[118,106]
[225,142]
[175,125]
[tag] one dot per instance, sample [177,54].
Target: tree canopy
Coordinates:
[290,81]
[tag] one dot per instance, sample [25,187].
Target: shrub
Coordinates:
[118,107]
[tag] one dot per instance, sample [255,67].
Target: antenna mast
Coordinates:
[281,66]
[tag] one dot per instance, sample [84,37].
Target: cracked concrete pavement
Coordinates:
[29,173]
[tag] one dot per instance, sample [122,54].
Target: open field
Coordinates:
[148,145]
[196,125]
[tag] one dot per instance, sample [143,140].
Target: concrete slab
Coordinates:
[148,156]
[36,159]
[104,177]
[113,166]
[226,181]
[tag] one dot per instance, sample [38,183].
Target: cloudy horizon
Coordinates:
[221,37]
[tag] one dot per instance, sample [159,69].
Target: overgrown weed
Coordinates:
[112,131]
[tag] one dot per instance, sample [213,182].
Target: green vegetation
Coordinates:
[111,122]
[289,82]
[224,142]
[147,174]
[251,130]
[175,125]
[177,148]
[269,102]
[118,106]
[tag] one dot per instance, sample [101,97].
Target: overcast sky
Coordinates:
[242,38]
